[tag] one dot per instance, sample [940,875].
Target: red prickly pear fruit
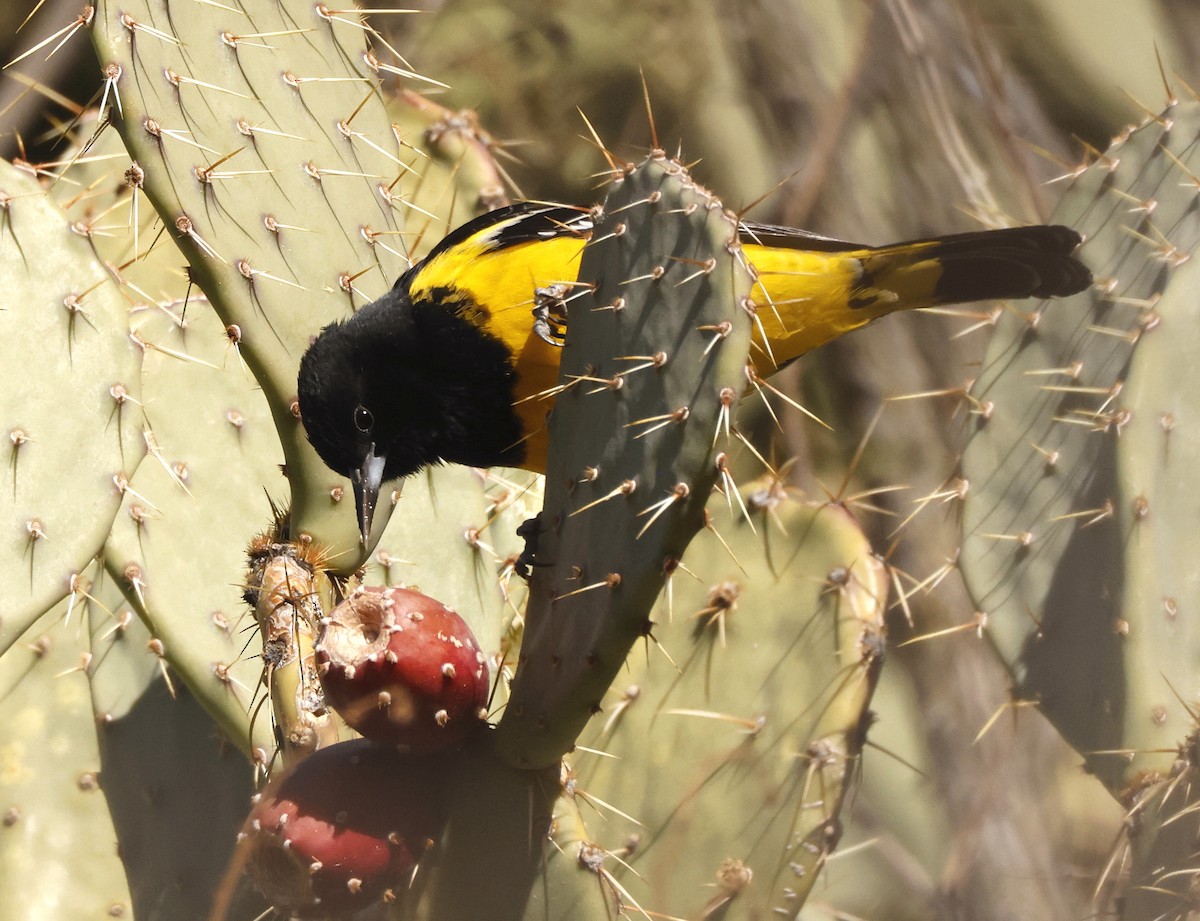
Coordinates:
[402,668]
[343,829]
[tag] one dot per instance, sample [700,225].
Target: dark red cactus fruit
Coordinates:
[402,668]
[343,829]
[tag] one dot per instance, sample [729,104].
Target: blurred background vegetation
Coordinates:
[873,121]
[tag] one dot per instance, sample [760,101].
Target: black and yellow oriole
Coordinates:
[446,366]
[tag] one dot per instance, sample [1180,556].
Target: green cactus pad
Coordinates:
[70,422]
[1157,460]
[1159,756]
[85,778]
[268,154]
[1044,548]
[654,359]
[58,856]
[734,735]
[177,547]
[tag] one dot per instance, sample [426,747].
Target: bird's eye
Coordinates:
[363,420]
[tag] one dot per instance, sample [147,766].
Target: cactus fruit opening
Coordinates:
[402,668]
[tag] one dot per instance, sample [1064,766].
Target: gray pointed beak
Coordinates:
[367,480]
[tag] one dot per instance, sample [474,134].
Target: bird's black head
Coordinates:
[398,387]
[361,401]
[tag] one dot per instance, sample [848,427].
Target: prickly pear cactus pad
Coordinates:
[746,715]
[70,424]
[655,357]
[1157,457]
[1073,472]
[58,854]
[177,546]
[266,150]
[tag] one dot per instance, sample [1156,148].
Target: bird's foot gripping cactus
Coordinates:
[1081,502]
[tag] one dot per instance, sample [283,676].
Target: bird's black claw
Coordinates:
[529,530]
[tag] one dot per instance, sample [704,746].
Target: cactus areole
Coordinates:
[402,668]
